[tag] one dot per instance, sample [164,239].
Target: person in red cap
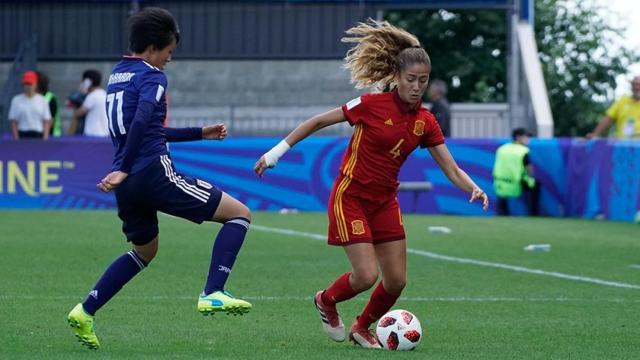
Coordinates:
[29,113]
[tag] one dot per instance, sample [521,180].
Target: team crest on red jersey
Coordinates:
[418,128]
[357,227]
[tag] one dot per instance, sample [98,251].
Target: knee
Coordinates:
[242,211]
[365,279]
[395,286]
[148,252]
[246,213]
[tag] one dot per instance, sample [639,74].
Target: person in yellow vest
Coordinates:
[625,113]
[513,174]
[42,88]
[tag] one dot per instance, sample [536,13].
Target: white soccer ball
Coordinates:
[399,330]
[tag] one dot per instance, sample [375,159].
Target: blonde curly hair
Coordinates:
[381,51]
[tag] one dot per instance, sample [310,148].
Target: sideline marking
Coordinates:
[466,261]
[310,298]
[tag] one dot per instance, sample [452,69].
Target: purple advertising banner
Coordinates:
[54,174]
[591,179]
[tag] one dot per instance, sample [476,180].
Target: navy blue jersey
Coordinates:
[131,82]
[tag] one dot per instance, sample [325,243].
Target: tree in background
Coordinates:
[576,46]
[580,61]
[467,50]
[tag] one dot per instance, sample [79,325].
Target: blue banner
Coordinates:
[592,179]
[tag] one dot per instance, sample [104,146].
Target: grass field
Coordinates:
[470,310]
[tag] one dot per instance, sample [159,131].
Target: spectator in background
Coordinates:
[42,88]
[93,107]
[440,108]
[625,113]
[29,114]
[74,101]
[513,172]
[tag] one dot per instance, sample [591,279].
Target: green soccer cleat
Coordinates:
[82,324]
[222,301]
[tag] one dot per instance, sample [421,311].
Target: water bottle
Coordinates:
[285,211]
[538,248]
[629,128]
[439,229]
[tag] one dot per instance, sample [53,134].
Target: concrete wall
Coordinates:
[223,83]
[262,97]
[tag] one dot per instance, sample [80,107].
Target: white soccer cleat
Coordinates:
[331,321]
[363,337]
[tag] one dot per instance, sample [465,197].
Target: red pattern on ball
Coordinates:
[412,335]
[407,317]
[392,341]
[387,322]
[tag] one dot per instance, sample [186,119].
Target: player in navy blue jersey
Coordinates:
[145,180]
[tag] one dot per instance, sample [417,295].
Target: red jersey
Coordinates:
[386,133]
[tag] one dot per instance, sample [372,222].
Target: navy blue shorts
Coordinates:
[159,187]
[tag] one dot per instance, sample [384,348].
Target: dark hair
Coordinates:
[152,26]
[439,85]
[94,76]
[43,83]
[516,133]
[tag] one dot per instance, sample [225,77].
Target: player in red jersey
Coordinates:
[364,215]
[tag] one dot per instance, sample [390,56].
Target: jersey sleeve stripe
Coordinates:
[159,93]
[353,103]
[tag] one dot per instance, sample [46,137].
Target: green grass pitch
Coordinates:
[50,260]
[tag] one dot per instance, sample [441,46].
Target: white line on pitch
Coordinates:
[466,261]
[635,266]
[309,298]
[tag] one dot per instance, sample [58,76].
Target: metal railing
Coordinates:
[26,59]
[468,120]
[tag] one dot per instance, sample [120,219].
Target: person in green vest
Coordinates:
[43,88]
[513,174]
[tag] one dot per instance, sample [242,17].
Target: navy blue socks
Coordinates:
[225,250]
[114,278]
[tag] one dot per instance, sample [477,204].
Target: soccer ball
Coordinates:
[399,330]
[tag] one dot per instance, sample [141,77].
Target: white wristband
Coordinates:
[271,157]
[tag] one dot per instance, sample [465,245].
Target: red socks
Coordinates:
[339,291]
[379,303]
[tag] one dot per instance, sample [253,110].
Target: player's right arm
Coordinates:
[603,125]
[613,112]
[314,124]
[305,129]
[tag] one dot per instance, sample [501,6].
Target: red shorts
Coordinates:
[356,215]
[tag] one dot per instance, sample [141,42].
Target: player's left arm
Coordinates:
[209,132]
[443,158]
